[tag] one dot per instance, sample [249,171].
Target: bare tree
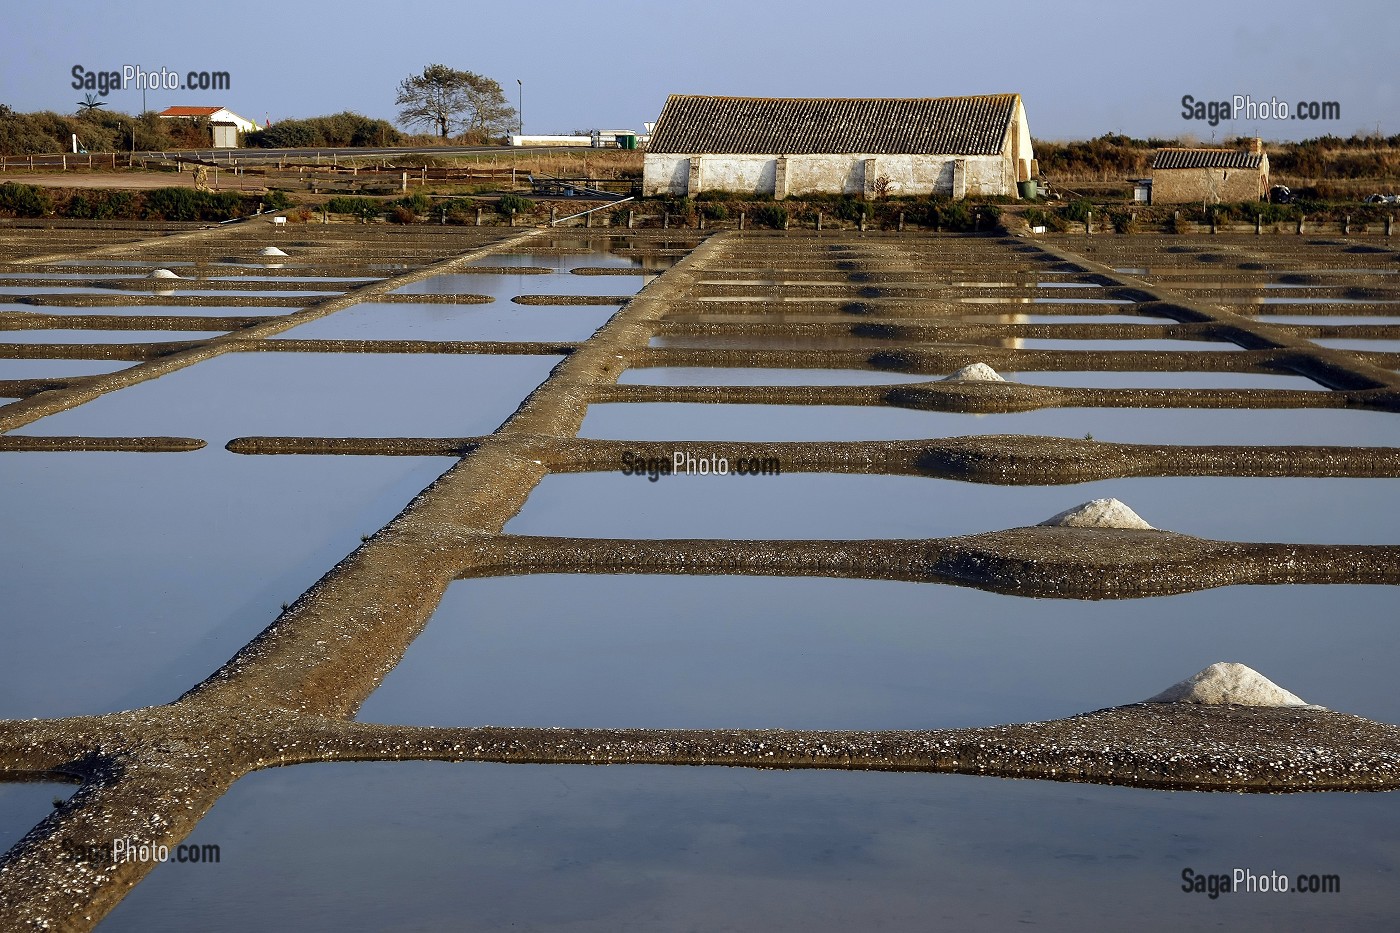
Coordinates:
[443,98]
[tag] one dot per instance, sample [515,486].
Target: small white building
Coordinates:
[949,146]
[225,123]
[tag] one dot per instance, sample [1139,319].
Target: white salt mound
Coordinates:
[976,372]
[270,251]
[162,274]
[1226,683]
[1100,513]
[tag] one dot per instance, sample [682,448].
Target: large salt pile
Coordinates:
[1226,683]
[270,251]
[162,274]
[1100,513]
[975,372]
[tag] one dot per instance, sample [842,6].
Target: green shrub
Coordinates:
[1077,211]
[102,205]
[276,200]
[24,200]
[714,210]
[955,215]
[187,204]
[418,203]
[360,207]
[1036,217]
[682,206]
[514,204]
[170,204]
[850,208]
[771,215]
[339,129]
[459,210]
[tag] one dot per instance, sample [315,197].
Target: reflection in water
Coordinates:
[323,394]
[104,336]
[1298,300]
[489,847]
[830,505]
[700,421]
[769,342]
[506,287]
[154,310]
[1056,343]
[496,321]
[57,369]
[810,653]
[759,376]
[1109,379]
[1327,319]
[23,805]
[161,289]
[129,577]
[1359,343]
[1062,319]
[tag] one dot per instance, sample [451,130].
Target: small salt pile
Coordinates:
[162,274]
[1226,683]
[1099,513]
[270,251]
[976,372]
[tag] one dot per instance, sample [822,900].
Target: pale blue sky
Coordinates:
[1084,68]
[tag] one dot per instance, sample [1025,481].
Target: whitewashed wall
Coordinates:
[666,173]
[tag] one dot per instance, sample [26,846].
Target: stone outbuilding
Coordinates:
[948,146]
[1210,176]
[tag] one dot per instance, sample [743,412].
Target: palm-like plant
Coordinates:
[90,103]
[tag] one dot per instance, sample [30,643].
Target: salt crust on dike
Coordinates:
[1226,683]
[1098,513]
[974,372]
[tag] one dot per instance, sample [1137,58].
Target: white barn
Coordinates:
[949,146]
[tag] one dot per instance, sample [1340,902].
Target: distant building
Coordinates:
[950,146]
[1186,176]
[226,124]
[596,139]
[552,141]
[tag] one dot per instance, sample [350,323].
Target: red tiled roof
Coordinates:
[190,111]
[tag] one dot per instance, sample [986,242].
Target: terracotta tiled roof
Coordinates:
[878,126]
[1206,158]
[190,111]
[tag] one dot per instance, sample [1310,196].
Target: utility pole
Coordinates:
[520,107]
